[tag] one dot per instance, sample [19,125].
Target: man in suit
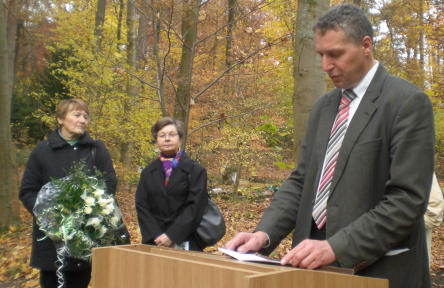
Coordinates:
[358,195]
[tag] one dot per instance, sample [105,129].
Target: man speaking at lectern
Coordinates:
[358,195]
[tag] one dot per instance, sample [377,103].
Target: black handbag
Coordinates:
[122,236]
[212,227]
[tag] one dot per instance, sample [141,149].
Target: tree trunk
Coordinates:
[8,176]
[228,85]
[119,23]
[126,146]
[100,20]
[142,34]
[213,51]
[160,62]
[231,14]
[421,44]
[12,28]
[309,79]
[189,34]
[237,171]
[132,48]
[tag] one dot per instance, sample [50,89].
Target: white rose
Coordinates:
[99,192]
[103,202]
[114,221]
[88,210]
[110,206]
[102,231]
[95,222]
[107,210]
[89,201]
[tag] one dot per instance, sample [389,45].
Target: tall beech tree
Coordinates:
[131,87]
[100,20]
[8,174]
[309,79]
[189,35]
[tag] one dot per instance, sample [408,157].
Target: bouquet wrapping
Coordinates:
[77,214]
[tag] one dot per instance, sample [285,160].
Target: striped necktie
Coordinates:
[331,156]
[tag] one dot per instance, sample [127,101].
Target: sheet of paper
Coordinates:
[396,251]
[248,256]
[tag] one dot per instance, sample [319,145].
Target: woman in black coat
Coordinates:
[172,192]
[52,158]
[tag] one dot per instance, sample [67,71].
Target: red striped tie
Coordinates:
[331,156]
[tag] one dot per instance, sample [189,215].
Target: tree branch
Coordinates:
[228,117]
[167,24]
[283,38]
[258,7]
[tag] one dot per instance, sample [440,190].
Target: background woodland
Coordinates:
[241,74]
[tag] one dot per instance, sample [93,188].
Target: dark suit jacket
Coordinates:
[380,184]
[176,209]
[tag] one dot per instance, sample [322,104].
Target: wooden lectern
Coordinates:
[137,266]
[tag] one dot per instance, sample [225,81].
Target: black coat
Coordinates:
[176,209]
[52,158]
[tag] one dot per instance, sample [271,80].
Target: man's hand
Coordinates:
[163,240]
[310,254]
[247,242]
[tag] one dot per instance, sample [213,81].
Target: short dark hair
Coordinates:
[349,18]
[70,104]
[165,121]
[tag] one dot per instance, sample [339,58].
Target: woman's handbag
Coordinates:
[212,227]
[123,235]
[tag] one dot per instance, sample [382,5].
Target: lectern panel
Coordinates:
[145,266]
[313,279]
[128,268]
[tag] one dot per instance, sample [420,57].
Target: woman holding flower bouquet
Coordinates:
[51,159]
[172,193]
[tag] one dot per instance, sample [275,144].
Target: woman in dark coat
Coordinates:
[172,192]
[52,158]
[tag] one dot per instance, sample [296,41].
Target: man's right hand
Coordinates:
[247,242]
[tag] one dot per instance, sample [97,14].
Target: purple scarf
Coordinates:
[169,163]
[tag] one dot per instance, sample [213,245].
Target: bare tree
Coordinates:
[189,34]
[309,79]
[420,26]
[229,39]
[126,146]
[119,21]
[142,32]
[13,24]
[160,61]
[100,20]
[132,45]
[8,176]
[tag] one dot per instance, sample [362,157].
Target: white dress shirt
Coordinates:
[359,90]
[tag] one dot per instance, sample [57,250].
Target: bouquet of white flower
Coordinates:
[78,215]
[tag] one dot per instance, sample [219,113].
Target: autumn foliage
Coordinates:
[127,64]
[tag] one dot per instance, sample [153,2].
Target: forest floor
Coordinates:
[240,215]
